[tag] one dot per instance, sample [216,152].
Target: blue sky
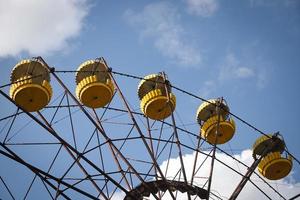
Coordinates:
[245,51]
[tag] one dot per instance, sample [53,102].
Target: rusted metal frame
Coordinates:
[115,189]
[108,106]
[251,169]
[48,171]
[10,116]
[263,180]
[178,143]
[175,131]
[52,71]
[32,143]
[229,167]
[74,184]
[105,186]
[53,133]
[137,127]
[57,108]
[112,140]
[150,136]
[214,147]
[30,186]
[295,197]
[158,142]
[165,145]
[183,125]
[130,176]
[113,152]
[55,157]
[148,173]
[37,171]
[47,190]
[79,180]
[195,159]
[126,138]
[7,188]
[166,142]
[202,162]
[179,180]
[76,160]
[170,153]
[42,173]
[215,195]
[188,132]
[237,117]
[11,124]
[152,149]
[196,135]
[178,172]
[57,191]
[208,155]
[102,161]
[71,122]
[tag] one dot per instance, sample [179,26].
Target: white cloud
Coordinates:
[39,27]
[118,196]
[233,69]
[224,179]
[204,8]
[161,22]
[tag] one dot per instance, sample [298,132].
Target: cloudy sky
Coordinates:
[245,51]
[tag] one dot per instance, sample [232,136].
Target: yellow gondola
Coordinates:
[157,101]
[266,141]
[273,165]
[225,130]
[208,109]
[94,86]
[31,87]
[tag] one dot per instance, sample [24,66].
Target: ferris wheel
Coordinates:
[85,139]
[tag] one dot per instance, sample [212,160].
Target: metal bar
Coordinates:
[29,188]
[137,126]
[32,143]
[35,170]
[295,197]
[7,188]
[229,167]
[57,107]
[113,153]
[53,133]
[47,189]
[195,160]
[10,126]
[10,116]
[214,148]
[52,71]
[71,122]
[175,132]
[102,161]
[76,160]
[152,149]
[251,169]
